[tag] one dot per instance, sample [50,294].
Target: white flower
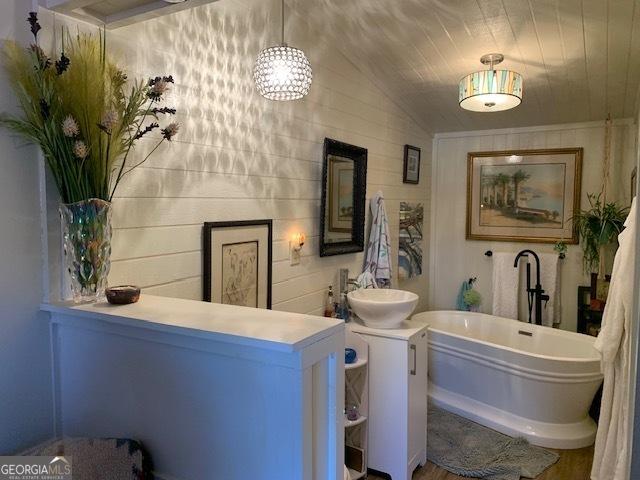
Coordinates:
[70,127]
[109,120]
[80,149]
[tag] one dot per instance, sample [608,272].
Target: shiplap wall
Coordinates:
[239,156]
[454,259]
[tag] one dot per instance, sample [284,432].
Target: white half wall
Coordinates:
[25,380]
[240,157]
[454,259]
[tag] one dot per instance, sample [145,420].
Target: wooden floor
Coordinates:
[573,465]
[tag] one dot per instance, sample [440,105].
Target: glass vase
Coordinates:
[86,231]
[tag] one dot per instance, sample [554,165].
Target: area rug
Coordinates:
[468,449]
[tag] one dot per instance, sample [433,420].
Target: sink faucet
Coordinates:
[345,281]
[536,294]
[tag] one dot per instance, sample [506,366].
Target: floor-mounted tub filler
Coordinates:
[519,379]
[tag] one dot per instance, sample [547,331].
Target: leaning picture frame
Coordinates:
[237,263]
[524,195]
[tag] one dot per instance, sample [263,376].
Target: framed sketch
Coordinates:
[340,194]
[523,195]
[410,240]
[411,171]
[237,263]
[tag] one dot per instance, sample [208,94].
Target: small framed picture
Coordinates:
[411,173]
[237,263]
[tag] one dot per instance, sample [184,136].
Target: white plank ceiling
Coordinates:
[580,59]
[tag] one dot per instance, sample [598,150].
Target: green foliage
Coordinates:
[560,247]
[472,297]
[82,112]
[598,227]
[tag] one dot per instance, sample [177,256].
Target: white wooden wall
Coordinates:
[453,258]
[239,156]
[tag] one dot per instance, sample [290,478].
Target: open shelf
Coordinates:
[353,423]
[354,475]
[360,362]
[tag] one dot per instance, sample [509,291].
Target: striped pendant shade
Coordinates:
[490,90]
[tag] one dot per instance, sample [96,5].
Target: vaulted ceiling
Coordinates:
[580,59]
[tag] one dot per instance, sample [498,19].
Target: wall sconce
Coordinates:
[295,246]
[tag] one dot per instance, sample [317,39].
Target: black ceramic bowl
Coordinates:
[123,294]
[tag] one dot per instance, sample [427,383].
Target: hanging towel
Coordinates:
[611,455]
[550,279]
[460,303]
[378,261]
[366,280]
[505,285]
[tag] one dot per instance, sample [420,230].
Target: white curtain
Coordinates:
[612,455]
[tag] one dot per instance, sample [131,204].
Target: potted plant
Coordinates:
[86,116]
[598,228]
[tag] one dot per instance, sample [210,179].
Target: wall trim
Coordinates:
[534,128]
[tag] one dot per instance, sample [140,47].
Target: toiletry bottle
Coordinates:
[344,308]
[328,307]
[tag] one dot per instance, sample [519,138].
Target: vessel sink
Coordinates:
[382,307]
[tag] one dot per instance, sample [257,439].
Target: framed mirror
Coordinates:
[344,185]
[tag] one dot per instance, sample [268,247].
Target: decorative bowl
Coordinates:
[123,294]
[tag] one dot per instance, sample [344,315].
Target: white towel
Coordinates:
[366,280]
[550,280]
[505,285]
[379,247]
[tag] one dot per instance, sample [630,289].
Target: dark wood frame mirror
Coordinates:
[359,157]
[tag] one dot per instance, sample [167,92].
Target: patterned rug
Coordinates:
[100,458]
[468,449]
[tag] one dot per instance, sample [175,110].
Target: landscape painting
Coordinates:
[523,195]
[410,240]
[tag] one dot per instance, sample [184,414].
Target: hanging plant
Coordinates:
[598,227]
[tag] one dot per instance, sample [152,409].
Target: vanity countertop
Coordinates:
[273,330]
[404,331]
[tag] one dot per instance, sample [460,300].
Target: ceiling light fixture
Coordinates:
[491,90]
[282,72]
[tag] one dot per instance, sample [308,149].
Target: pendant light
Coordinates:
[491,90]
[282,72]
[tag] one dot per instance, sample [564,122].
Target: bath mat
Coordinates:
[468,449]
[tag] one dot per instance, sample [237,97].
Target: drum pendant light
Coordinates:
[491,90]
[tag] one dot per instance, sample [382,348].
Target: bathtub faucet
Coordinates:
[534,295]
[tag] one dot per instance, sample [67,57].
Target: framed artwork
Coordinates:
[523,195]
[411,171]
[237,263]
[410,240]
[340,194]
[634,176]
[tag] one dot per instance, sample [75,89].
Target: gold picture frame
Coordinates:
[524,195]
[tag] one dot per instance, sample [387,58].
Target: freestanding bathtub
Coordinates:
[517,378]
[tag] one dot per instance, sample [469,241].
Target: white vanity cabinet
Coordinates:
[397,397]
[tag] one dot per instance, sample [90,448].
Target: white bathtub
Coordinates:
[520,379]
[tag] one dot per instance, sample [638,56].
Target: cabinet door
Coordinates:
[417,399]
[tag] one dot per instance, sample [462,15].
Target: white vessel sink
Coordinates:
[382,307]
